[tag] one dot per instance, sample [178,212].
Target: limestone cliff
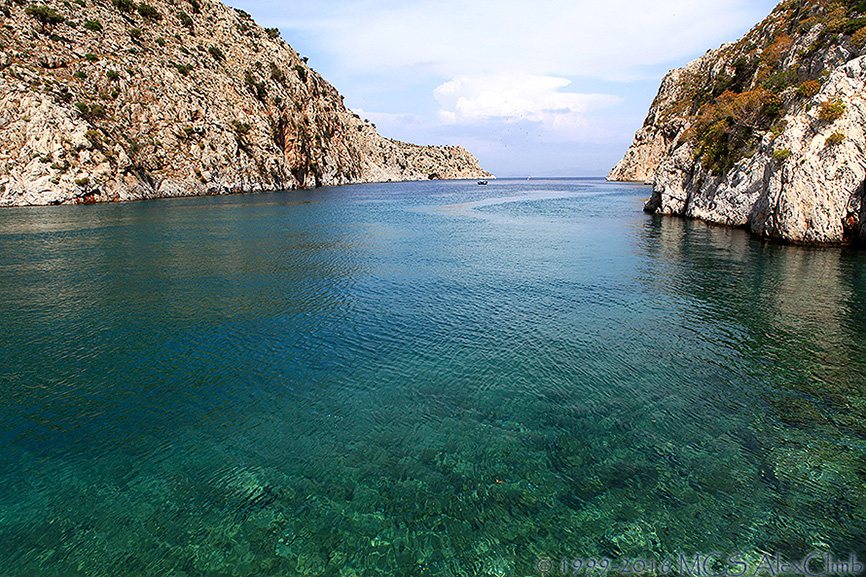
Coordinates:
[766,133]
[105,100]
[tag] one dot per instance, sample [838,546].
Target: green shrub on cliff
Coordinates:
[301,72]
[808,89]
[216,53]
[147,11]
[124,5]
[277,74]
[94,137]
[46,17]
[831,110]
[835,138]
[724,129]
[241,128]
[765,75]
[258,89]
[185,19]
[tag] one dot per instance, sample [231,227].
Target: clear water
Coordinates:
[420,379]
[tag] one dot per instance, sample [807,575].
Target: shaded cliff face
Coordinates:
[766,133]
[111,100]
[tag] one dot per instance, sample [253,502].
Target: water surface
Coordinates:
[420,379]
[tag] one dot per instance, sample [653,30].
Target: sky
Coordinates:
[532,88]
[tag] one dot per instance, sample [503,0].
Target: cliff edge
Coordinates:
[115,100]
[766,133]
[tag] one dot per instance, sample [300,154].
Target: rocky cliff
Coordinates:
[104,100]
[766,133]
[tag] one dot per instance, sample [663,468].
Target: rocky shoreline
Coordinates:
[112,101]
[765,133]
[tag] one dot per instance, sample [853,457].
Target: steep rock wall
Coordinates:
[765,133]
[115,100]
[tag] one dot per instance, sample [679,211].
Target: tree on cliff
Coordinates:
[47,17]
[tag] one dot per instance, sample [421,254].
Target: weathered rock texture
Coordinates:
[766,133]
[111,100]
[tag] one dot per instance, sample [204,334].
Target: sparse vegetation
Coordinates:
[135,34]
[273,32]
[831,110]
[216,53]
[808,89]
[90,111]
[90,57]
[859,38]
[47,17]
[124,5]
[277,74]
[835,138]
[781,154]
[184,69]
[258,89]
[778,128]
[93,25]
[767,74]
[112,75]
[134,148]
[185,19]
[301,72]
[241,128]
[147,11]
[94,137]
[725,128]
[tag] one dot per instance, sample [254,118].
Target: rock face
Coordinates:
[112,100]
[766,133]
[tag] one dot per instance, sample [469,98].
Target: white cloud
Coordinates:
[494,74]
[518,97]
[614,39]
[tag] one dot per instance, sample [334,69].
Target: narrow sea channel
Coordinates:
[422,379]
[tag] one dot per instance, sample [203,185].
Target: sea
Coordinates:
[528,378]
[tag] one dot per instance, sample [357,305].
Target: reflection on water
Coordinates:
[368,381]
[799,354]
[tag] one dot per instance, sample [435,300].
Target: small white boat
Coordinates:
[482,183]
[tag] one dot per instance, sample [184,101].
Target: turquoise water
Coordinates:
[420,379]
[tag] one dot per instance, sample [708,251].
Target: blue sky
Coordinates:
[542,88]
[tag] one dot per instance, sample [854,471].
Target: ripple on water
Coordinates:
[420,379]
